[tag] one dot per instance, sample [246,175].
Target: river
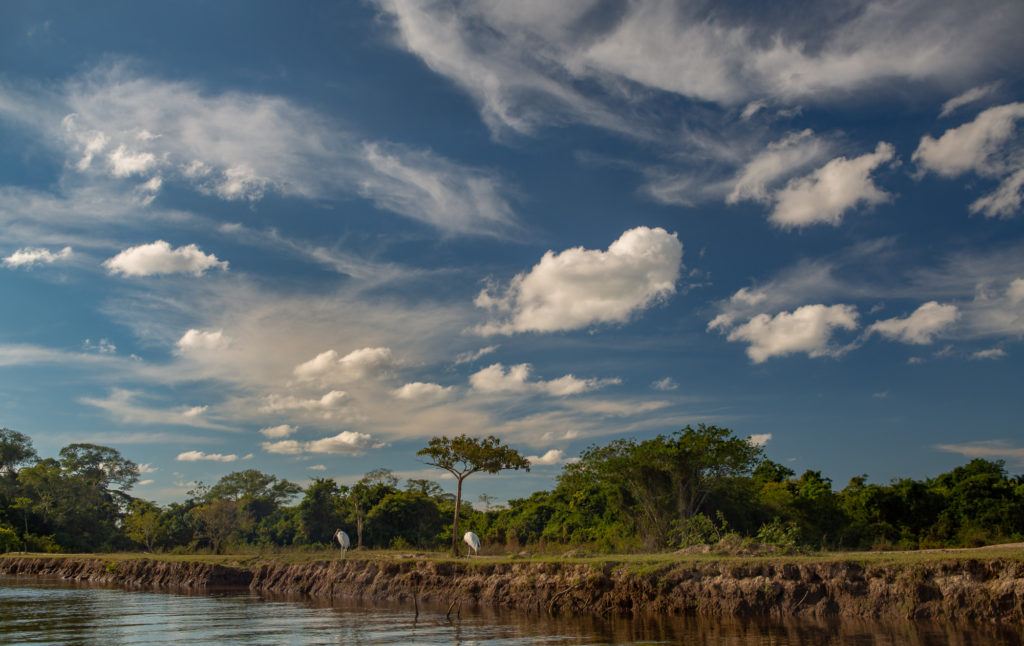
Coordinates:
[45,613]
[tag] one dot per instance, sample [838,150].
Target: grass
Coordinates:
[640,561]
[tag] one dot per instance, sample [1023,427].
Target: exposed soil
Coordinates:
[982,590]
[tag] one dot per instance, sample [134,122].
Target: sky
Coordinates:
[305,238]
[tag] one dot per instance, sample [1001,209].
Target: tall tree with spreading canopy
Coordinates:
[463,456]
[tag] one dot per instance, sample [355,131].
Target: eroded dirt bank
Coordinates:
[990,590]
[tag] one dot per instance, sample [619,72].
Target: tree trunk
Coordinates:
[359,531]
[455,521]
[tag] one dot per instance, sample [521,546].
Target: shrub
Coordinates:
[9,541]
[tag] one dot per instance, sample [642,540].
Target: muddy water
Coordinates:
[42,613]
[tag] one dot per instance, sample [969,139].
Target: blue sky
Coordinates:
[306,239]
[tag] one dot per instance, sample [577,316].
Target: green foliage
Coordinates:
[9,541]
[779,533]
[319,512]
[410,516]
[142,524]
[462,456]
[700,485]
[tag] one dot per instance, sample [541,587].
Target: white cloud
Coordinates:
[197,456]
[317,467]
[550,458]
[145,468]
[103,346]
[283,447]
[974,146]
[779,160]
[241,146]
[279,431]
[665,384]
[760,439]
[125,163]
[358,364]
[988,146]
[419,390]
[471,356]
[985,449]
[921,327]
[580,287]
[158,258]
[202,341]
[143,483]
[516,379]
[966,98]
[344,443]
[1005,200]
[830,191]
[807,329]
[29,256]
[429,188]
[989,353]
[536,63]
[331,405]
[123,405]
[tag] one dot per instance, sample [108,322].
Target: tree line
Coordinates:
[698,486]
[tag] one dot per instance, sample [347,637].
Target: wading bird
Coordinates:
[473,541]
[343,540]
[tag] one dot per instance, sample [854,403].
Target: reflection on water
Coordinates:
[38,613]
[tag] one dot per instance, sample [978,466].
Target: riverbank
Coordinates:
[982,585]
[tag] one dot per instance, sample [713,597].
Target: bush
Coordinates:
[779,534]
[9,541]
[698,530]
[42,544]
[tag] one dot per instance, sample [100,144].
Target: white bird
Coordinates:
[343,540]
[473,541]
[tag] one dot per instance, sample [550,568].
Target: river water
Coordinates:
[42,613]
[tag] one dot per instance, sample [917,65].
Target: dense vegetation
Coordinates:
[696,486]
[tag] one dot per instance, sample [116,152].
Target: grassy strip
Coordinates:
[643,561]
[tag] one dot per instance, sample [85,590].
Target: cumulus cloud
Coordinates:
[549,458]
[202,341]
[420,391]
[580,287]
[989,146]
[346,442]
[159,258]
[358,364]
[921,327]
[30,256]
[989,353]
[332,404]
[279,431]
[760,439]
[974,146]
[317,467]
[807,330]
[199,456]
[826,194]
[496,378]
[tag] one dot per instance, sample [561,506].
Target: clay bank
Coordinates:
[975,587]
